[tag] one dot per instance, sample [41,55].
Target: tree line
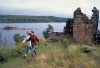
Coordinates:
[31,19]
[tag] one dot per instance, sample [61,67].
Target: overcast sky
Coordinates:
[62,8]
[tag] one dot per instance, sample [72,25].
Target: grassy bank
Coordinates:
[58,55]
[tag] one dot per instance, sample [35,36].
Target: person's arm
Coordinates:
[29,38]
[24,40]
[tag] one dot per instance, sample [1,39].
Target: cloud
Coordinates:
[51,6]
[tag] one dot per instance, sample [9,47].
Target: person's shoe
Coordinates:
[25,56]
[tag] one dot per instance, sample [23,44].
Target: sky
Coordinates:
[60,8]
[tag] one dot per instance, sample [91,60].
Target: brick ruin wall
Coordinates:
[83,33]
[84,28]
[81,28]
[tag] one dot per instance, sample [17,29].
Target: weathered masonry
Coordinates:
[83,29]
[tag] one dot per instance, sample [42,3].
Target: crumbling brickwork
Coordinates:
[83,28]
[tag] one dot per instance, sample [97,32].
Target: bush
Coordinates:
[1,48]
[3,56]
[18,51]
[18,38]
[8,28]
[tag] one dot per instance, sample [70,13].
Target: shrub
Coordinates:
[3,56]
[1,48]
[8,28]
[18,51]
[18,38]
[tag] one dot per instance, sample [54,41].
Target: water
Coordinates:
[7,35]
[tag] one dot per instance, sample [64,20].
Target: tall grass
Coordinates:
[1,47]
[56,55]
[73,57]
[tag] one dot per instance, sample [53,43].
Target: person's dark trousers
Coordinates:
[34,49]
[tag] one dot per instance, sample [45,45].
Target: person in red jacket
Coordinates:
[34,38]
[34,41]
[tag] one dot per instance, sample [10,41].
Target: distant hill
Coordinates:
[29,19]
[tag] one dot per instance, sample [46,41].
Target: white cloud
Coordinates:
[54,6]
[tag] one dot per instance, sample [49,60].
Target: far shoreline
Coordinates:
[13,28]
[32,22]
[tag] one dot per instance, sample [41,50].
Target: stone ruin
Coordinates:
[82,29]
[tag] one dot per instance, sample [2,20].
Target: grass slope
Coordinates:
[58,56]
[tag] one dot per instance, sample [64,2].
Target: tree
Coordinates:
[46,32]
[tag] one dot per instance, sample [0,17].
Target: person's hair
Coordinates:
[28,33]
[32,32]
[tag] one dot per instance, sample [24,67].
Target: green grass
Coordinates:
[54,55]
[1,47]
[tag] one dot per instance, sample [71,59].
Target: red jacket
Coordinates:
[34,39]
